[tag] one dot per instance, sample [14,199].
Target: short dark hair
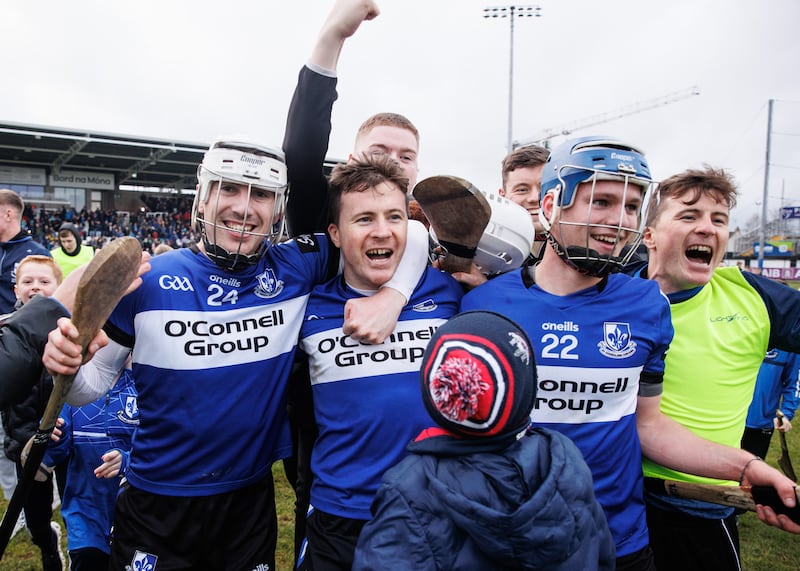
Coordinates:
[528,156]
[707,181]
[361,174]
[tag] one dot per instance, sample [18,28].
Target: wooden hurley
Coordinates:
[458,213]
[100,288]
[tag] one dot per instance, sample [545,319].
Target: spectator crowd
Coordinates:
[161,220]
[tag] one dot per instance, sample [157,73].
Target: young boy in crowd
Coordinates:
[478,491]
[95,442]
[36,275]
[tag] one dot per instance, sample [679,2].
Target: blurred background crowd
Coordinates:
[161,220]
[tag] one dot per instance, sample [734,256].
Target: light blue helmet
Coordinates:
[589,160]
[578,160]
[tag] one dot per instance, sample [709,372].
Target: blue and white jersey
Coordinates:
[211,358]
[88,432]
[367,398]
[591,347]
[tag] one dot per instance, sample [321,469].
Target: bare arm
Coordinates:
[669,443]
[343,20]
[62,355]
[471,279]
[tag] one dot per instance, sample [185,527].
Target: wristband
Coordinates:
[753,459]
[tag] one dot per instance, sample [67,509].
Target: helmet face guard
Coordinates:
[587,161]
[261,170]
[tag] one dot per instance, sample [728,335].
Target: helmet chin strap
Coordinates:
[228,261]
[586,260]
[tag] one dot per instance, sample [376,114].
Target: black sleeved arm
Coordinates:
[305,144]
[783,307]
[22,340]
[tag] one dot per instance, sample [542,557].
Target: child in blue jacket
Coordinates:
[95,441]
[480,491]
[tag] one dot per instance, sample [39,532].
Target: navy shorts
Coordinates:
[235,531]
[331,541]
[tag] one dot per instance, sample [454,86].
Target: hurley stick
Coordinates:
[784,462]
[458,213]
[741,497]
[100,288]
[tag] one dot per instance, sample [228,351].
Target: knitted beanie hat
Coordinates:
[479,376]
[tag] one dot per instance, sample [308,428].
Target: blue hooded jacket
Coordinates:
[452,504]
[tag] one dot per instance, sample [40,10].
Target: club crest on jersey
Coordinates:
[143,562]
[131,413]
[425,306]
[268,284]
[617,342]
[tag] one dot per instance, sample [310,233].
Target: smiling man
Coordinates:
[600,338]
[366,397]
[724,320]
[522,184]
[212,332]
[590,326]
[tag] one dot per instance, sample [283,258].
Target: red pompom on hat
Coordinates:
[478,376]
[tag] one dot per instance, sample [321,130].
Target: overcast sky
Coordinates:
[193,69]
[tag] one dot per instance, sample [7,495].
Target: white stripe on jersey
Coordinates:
[186,339]
[334,356]
[600,395]
[89,434]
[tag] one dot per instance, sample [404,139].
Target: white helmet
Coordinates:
[507,239]
[245,163]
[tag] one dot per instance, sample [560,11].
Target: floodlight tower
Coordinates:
[512,12]
[762,233]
